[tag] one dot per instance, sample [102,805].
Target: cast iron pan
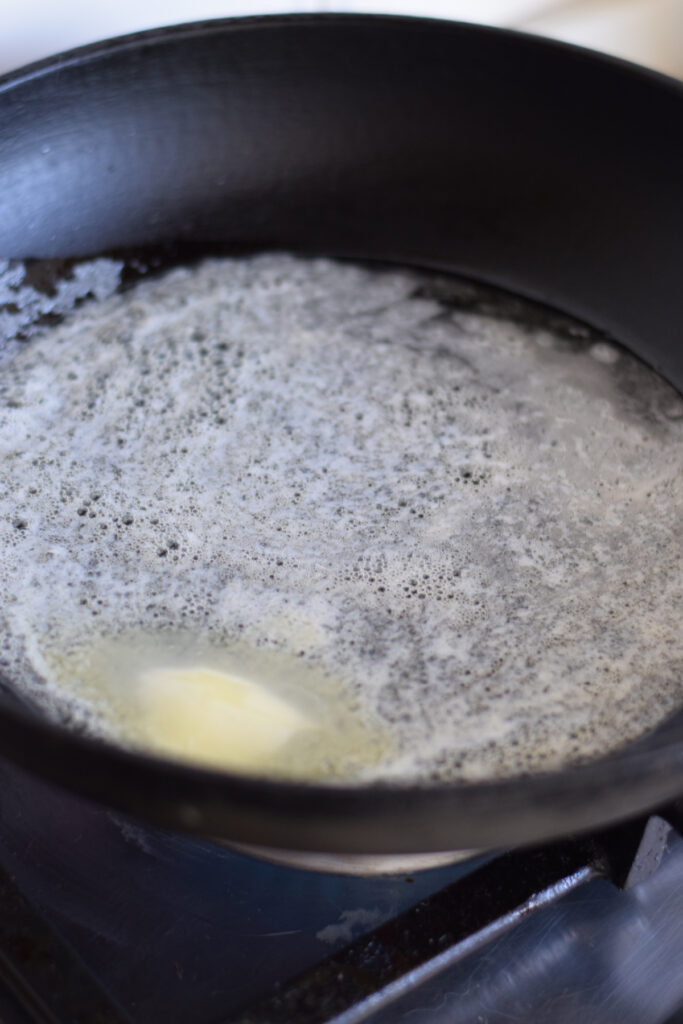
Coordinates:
[547,170]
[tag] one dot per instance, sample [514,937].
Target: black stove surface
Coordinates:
[104,920]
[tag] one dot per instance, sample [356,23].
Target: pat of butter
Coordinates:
[206,715]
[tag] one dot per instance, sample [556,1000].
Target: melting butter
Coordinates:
[213,717]
[239,708]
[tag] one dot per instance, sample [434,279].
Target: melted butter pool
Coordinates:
[241,709]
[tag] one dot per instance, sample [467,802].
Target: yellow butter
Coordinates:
[211,716]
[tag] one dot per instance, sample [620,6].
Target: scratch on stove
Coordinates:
[273,935]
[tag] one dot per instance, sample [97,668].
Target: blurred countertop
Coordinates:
[646,31]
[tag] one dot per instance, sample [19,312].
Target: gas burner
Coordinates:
[106,921]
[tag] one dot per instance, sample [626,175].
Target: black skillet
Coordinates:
[548,170]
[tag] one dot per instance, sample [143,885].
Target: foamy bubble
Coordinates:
[470,523]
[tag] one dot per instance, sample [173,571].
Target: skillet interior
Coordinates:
[552,172]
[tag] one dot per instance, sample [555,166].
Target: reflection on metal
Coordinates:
[364,864]
[601,955]
[431,968]
[419,945]
[650,851]
[420,966]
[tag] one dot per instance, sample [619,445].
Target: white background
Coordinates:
[648,31]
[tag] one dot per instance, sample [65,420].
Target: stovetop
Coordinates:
[103,920]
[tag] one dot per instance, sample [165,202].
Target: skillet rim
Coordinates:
[111,44]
